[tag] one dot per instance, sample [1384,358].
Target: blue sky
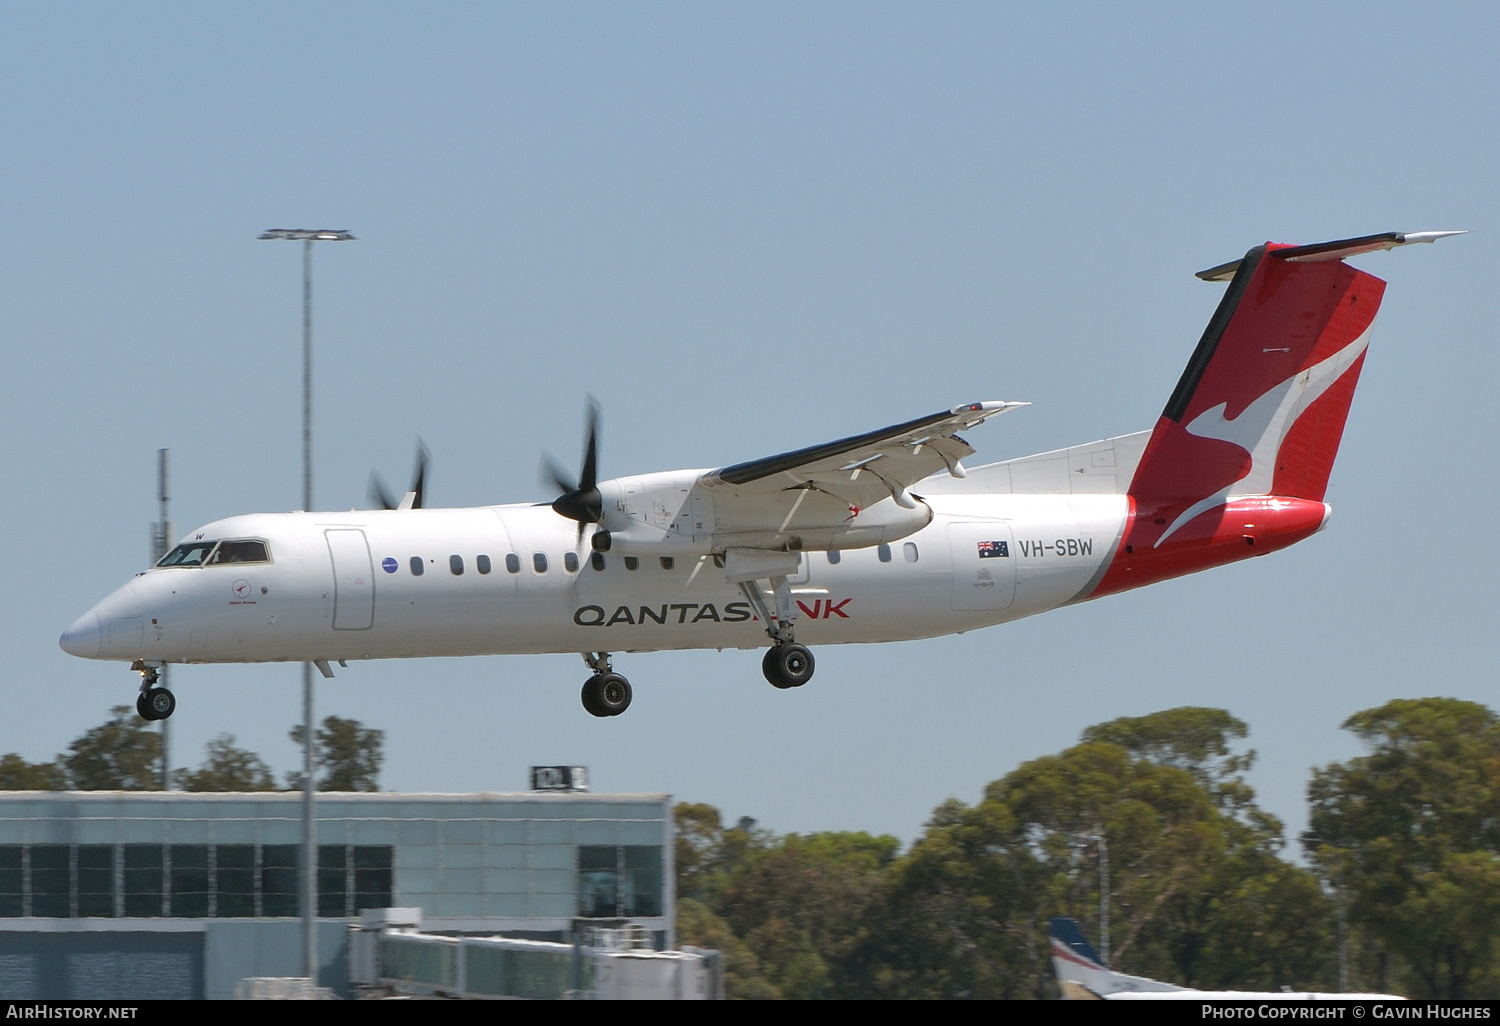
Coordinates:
[745,228]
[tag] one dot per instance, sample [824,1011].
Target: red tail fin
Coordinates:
[1259,412]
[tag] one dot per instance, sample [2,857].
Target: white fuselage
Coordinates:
[340,586]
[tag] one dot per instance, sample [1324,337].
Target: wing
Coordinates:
[845,477]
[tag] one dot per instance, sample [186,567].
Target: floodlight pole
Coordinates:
[309,794]
[161,538]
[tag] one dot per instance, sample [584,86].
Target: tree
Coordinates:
[123,754]
[346,752]
[699,927]
[1198,892]
[16,774]
[1188,738]
[1410,834]
[806,906]
[227,768]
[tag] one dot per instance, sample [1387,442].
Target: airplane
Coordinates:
[1083,976]
[878,537]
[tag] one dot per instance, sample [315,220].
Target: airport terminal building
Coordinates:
[171,894]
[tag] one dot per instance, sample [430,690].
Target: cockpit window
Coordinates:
[240,552]
[188,554]
[215,553]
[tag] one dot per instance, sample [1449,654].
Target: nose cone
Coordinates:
[84,638]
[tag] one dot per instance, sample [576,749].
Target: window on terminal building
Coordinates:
[279,891]
[192,881]
[188,879]
[50,897]
[619,880]
[234,880]
[142,879]
[96,881]
[12,881]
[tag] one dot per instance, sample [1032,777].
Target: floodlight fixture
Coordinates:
[308,234]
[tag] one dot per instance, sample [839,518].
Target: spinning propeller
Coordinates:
[381,495]
[580,500]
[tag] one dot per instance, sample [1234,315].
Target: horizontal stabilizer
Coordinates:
[1336,250]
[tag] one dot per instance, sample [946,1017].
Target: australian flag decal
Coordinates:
[993,550]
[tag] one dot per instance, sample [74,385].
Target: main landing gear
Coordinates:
[154,702]
[606,693]
[786,664]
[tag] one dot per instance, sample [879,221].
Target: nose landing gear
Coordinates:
[154,702]
[606,693]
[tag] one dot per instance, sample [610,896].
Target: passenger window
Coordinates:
[834,557]
[884,552]
[456,564]
[240,552]
[597,561]
[539,562]
[416,566]
[667,562]
[512,563]
[482,564]
[631,563]
[909,550]
[570,561]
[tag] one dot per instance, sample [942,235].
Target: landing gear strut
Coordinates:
[786,664]
[606,693]
[153,703]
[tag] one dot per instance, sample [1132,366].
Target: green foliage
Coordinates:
[123,754]
[1189,738]
[16,774]
[347,753]
[1410,834]
[804,905]
[226,768]
[1198,892]
[697,926]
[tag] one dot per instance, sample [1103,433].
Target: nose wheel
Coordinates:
[154,702]
[787,665]
[606,693]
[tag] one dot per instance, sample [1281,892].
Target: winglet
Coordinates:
[1336,250]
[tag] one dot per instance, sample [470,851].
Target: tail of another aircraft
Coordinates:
[1239,461]
[1081,975]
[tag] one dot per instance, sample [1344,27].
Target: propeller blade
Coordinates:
[579,501]
[555,475]
[590,476]
[419,475]
[379,493]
